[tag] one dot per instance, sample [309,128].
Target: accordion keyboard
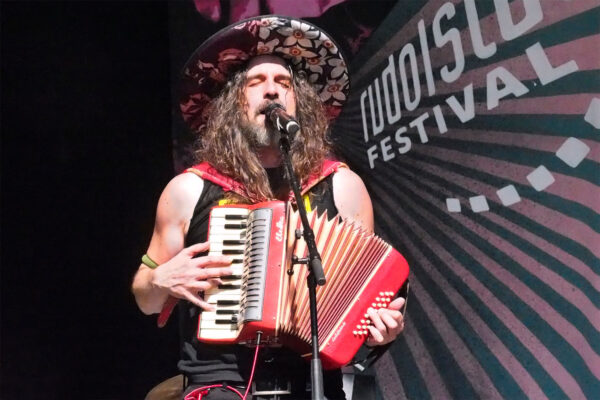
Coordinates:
[243,236]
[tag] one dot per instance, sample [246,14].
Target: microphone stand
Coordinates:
[316,275]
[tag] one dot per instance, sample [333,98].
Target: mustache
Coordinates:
[265,104]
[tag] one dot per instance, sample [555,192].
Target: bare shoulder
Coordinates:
[178,199]
[351,198]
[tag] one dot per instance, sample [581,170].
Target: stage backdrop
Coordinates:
[475,127]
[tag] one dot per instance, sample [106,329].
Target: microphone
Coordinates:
[281,120]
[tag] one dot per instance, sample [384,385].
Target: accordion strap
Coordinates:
[206,171]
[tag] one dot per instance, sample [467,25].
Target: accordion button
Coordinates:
[377,298]
[362,321]
[354,333]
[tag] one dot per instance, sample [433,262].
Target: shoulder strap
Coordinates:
[206,171]
[328,168]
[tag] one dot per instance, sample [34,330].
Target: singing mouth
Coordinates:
[263,107]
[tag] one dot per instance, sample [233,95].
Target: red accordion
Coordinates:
[267,293]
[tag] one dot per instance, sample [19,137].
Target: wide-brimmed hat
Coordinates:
[305,47]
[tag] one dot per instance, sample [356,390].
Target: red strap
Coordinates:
[208,172]
[166,311]
[327,168]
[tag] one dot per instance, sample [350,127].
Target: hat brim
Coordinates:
[306,48]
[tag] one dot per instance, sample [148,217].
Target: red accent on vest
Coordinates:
[206,171]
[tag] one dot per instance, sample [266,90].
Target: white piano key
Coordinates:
[212,299]
[225,236]
[215,321]
[235,308]
[224,292]
[222,212]
[212,316]
[216,334]
[219,247]
[220,230]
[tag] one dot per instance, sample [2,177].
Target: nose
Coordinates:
[270,91]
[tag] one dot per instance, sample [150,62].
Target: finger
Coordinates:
[397,303]
[376,336]
[393,313]
[212,261]
[214,282]
[400,327]
[201,286]
[376,320]
[198,301]
[389,321]
[209,273]
[197,248]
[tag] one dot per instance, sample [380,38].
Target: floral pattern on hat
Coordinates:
[307,48]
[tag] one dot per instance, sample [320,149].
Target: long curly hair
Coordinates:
[225,146]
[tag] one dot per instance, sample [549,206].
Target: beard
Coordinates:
[260,135]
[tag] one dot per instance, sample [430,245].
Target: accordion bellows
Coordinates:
[267,293]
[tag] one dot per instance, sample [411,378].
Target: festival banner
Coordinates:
[475,126]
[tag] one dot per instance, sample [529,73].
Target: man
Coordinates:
[228,83]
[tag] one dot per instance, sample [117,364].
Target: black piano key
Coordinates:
[232,251]
[227,286]
[226,312]
[235,226]
[228,302]
[231,277]
[224,322]
[234,217]
[230,242]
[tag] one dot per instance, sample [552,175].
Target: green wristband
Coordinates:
[147,261]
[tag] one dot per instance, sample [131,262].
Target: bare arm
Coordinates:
[352,199]
[353,202]
[179,274]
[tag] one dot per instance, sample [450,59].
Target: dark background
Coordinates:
[86,150]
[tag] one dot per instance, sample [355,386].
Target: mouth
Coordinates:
[263,107]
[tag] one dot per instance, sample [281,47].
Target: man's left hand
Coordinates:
[386,323]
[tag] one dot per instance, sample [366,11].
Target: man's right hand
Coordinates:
[185,277]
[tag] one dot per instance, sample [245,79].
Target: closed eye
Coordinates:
[254,81]
[286,83]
